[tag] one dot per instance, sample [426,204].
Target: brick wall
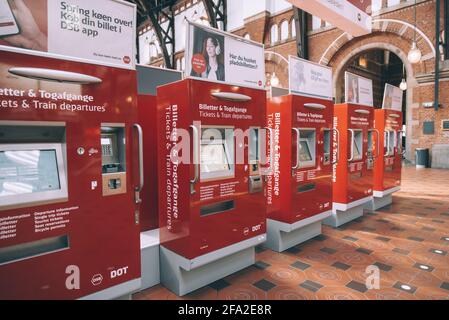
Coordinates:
[258,27]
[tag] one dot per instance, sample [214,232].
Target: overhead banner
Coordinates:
[352,16]
[100,31]
[358,90]
[218,56]
[310,79]
[392,98]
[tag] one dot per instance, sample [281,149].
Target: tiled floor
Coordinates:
[408,242]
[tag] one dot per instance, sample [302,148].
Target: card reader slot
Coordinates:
[217,208]
[306,187]
[32,249]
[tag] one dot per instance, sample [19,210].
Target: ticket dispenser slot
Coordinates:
[254,154]
[356,144]
[113,159]
[306,148]
[327,146]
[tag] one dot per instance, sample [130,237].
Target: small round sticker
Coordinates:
[198,63]
[126,59]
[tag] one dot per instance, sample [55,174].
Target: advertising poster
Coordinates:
[218,56]
[310,79]
[99,31]
[392,98]
[352,16]
[358,90]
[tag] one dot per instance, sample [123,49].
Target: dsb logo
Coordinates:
[119,272]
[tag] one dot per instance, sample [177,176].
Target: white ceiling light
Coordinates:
[414,55]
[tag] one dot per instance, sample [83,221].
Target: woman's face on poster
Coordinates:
[210,47]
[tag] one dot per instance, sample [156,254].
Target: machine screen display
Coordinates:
[304,152]
[356,150]
[28,171]
[213,158]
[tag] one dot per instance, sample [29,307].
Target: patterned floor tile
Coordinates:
[407,241]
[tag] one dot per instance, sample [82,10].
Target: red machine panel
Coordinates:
[212,193]
[68,215]
[301,184]
[387,167]
[353,173]
[147,107]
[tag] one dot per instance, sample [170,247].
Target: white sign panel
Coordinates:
[218,56]
[392,98]
[100,31]
[358,90]
[310,79]
[352,16]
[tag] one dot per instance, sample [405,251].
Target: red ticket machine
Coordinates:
[69,179]
[388,166]
[212,206]
[353,173]
[299,191]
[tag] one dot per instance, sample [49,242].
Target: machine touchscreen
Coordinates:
[28,171]
[356,150]
[304,151]
[213,158]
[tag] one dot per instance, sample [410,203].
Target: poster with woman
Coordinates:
[218,56]
[392,98]
[358,90]
[208,60]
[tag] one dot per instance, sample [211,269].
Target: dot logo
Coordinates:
[97,279]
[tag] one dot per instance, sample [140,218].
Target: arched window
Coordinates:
[247,36]
[284,30]
[274,34]
[376,5]
[391,3]
[293,28]
[316,23]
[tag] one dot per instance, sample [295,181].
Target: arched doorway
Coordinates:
[389,62]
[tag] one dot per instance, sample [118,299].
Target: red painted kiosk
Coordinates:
[212,205]
[69,196]
[388,166]
[299,192]
[353,173]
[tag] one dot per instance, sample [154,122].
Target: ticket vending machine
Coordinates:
[69,179]
[388,166]
[353,173]
[299,191]
[212,147]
